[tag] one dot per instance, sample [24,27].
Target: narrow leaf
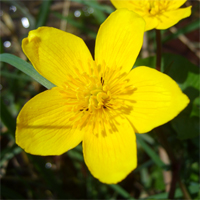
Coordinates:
[26,68]
[121,191]
[9,153]
[154,156]
[193,189]
[43,13]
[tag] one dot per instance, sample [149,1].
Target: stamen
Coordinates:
[98,92]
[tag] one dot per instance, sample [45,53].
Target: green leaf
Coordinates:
[26,68]
[157,180]
[144,165]
[186,127]
[9,153]
[149,62]
[182,71]
[145,177]
[154,156]
[43,13]
[121,191]
[196,107]
[75,155]
[147,138]
[186,75]
[99,15]
[193,189]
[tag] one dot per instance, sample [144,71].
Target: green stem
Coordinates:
[158,50]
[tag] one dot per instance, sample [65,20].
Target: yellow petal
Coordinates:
[174,4]
[119,39]
[151,22]
[121,4]
[44,126]
[170,18]
[55,53]
[156,99]
[138,6]
[111,153]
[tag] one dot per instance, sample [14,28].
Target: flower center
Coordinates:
[150,7]
[95,95]
[157,7]
[94,99]
[101,89]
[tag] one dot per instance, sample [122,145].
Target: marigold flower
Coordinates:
[159,14]
[101,103]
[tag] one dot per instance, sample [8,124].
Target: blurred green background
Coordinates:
[24,176]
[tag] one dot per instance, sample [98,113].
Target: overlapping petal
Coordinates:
[111,154]
[156,99]
[151,22]
[44,126]
[137,6]
[116,43]
[165,13]
[169,18]
[55,53]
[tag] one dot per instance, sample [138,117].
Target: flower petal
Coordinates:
[139,6]
[55,53]
[174,4]
[121,4]
[119,39]
[156,99]
[111,154]
[44,126]
[151,22]
[169,18]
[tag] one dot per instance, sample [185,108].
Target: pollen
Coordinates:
[102,91]
[156,7]
[151,7]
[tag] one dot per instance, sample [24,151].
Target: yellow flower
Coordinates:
[158,14]
[101,103]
